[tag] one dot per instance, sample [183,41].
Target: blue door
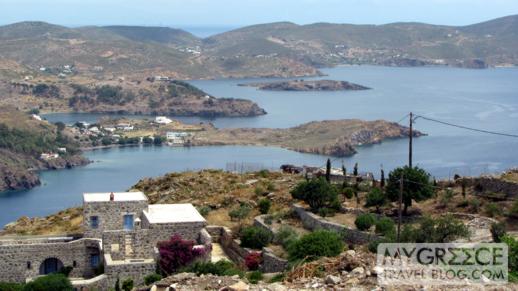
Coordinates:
[128,222]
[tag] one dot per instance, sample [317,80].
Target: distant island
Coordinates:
[302,85]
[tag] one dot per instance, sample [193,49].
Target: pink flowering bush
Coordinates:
[177,253]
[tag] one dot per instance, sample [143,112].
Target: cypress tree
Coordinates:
[355,170]
[328,171]
[382,179]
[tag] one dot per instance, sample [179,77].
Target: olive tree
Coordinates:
[416,185]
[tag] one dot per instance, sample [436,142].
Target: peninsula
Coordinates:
[303,85]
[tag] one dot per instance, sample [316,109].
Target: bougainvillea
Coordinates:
[253,260]
[177,253]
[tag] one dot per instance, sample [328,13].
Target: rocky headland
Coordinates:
[303,85]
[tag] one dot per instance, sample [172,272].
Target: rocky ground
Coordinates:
[302,85]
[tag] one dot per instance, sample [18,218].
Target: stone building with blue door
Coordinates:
[121,232]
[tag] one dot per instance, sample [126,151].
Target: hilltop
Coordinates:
[275,49]
[28,145]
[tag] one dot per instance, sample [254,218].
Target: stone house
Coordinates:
[121,232]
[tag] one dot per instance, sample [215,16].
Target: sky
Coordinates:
[236,13]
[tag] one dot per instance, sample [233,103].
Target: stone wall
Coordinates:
[495,185]
[259,222]
[133,269]
[21,260]
[272,263]
[110,215]
[140,243]
[312,221]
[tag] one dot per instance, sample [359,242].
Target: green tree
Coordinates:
[375,198]
[318,193]
[416,185]
[382,179]
[355,170]
[328,170]
[60,125]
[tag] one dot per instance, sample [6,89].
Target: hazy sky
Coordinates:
[232,13]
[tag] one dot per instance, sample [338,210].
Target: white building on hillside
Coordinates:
[162,120]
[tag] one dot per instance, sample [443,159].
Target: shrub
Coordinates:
[475,205]
[385,226]
[270,186]
[512,244]
[497,231]
[320,243]
[375,198]
[373,244]
[438,230]
[254,277]
[513,212]
[253,260]
[464,203]
[177,253]
[220,268]
[259,191]
[50,282]
[317,193]
[446,198]
[264,205]
[365,221]
[492,209]
[348,192]
[326,212]
[152,278]
[204,210]
[240,212]
[285,236]
[255,237]
[127,285]
[263,173]
[5,286]
[278,278]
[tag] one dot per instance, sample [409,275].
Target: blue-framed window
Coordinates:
[94,222]
[94,261]
[128,222]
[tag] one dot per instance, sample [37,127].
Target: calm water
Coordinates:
[485,99]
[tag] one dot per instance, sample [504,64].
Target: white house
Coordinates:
[49,156]
[36,117]
[94,129]
[62,150]
[177,138]
[162,120]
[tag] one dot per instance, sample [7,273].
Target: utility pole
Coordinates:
[399,207]
[410,136]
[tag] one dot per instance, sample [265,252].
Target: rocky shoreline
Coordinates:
[302,85]
[19,178]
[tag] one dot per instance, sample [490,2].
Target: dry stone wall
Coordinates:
[312,221]
[110,215]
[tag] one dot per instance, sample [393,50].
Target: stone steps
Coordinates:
[128,246]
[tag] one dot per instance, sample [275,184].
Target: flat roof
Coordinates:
[118,196]
[171,213]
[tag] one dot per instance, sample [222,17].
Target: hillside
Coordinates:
[276,49]
[164,97]
[23,140]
